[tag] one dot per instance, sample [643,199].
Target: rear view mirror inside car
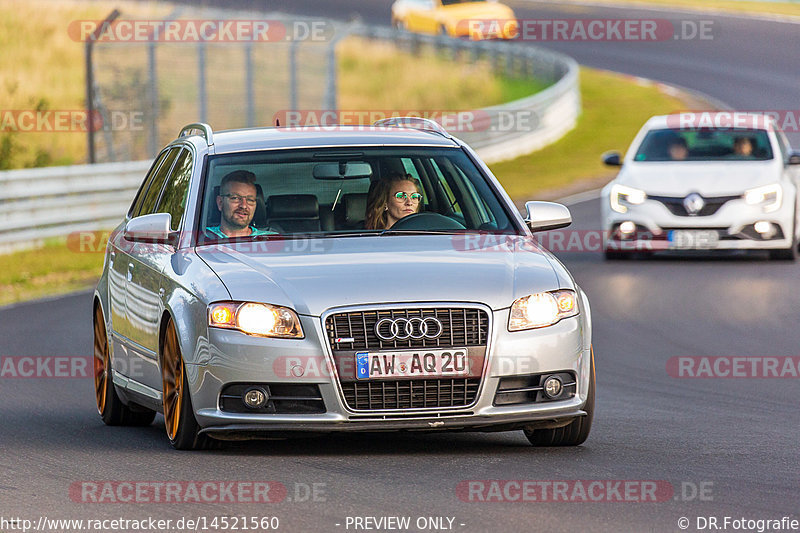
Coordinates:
[342,170]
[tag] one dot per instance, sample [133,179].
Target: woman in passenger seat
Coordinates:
[391,198]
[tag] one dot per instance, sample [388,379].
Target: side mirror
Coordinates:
[544,216]
[153,229]
[794,158]
[612,159]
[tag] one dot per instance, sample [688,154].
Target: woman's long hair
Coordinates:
[377,215]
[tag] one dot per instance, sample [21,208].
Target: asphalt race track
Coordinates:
[724,446]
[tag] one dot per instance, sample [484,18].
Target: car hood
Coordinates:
[707,178]
[314,275]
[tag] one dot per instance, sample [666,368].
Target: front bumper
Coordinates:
[230,357]
[733,225]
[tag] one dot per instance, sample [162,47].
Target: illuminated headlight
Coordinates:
[542,309]
[262,320]
[622,196]
[769,196]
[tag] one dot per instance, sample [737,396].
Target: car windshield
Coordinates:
[344,191]
[705,144]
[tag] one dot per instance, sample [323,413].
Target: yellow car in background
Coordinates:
[472,19]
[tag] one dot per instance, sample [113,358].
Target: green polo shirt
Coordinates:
[216,230]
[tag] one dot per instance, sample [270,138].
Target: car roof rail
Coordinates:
[417,123]
[202,129]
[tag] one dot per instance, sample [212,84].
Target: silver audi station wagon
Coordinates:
[278,280]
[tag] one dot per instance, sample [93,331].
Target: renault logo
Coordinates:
[400,329]
[694,203]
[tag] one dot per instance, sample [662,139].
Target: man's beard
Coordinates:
[234,222]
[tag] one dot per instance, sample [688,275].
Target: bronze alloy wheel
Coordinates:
[173,383]
[101,361]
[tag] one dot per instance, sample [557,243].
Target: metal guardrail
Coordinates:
[40,203]
[520,127]
[37,204]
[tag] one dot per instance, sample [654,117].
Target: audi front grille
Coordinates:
[407,329]
[460,328]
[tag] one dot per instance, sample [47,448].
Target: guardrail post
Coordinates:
[201,82]
[293,75]
[248,84]
[90,111]
[152,89]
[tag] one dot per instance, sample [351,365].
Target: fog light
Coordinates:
[553,387]
[764,228]
[627,228]
[255,398]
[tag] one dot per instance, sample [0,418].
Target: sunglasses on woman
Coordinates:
[415,196]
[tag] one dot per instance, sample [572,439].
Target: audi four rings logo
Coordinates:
[400,329]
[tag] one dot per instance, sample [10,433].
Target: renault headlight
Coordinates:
[542,309]
[769,196]
[622,196]
[261,320]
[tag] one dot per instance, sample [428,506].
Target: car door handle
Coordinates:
[130,271]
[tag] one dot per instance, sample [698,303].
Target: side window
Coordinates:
[137,202]
[445,186]
[151,196]
[173,200]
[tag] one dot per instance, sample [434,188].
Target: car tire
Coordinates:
[574,433]
[183,431]
[109,405]
[785,254]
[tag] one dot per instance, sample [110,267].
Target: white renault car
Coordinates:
[688,186]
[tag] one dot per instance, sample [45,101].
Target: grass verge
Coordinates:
[53,269]
[614,108]
[377,80]
[42,69]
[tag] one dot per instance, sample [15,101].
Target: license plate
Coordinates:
[693,239]
[423,363]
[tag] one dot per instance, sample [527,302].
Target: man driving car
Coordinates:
[236,202]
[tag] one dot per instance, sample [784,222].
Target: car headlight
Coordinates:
[621,195]
[542,309]
[770,196]
[261,320]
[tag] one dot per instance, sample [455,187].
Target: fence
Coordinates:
[197,82]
